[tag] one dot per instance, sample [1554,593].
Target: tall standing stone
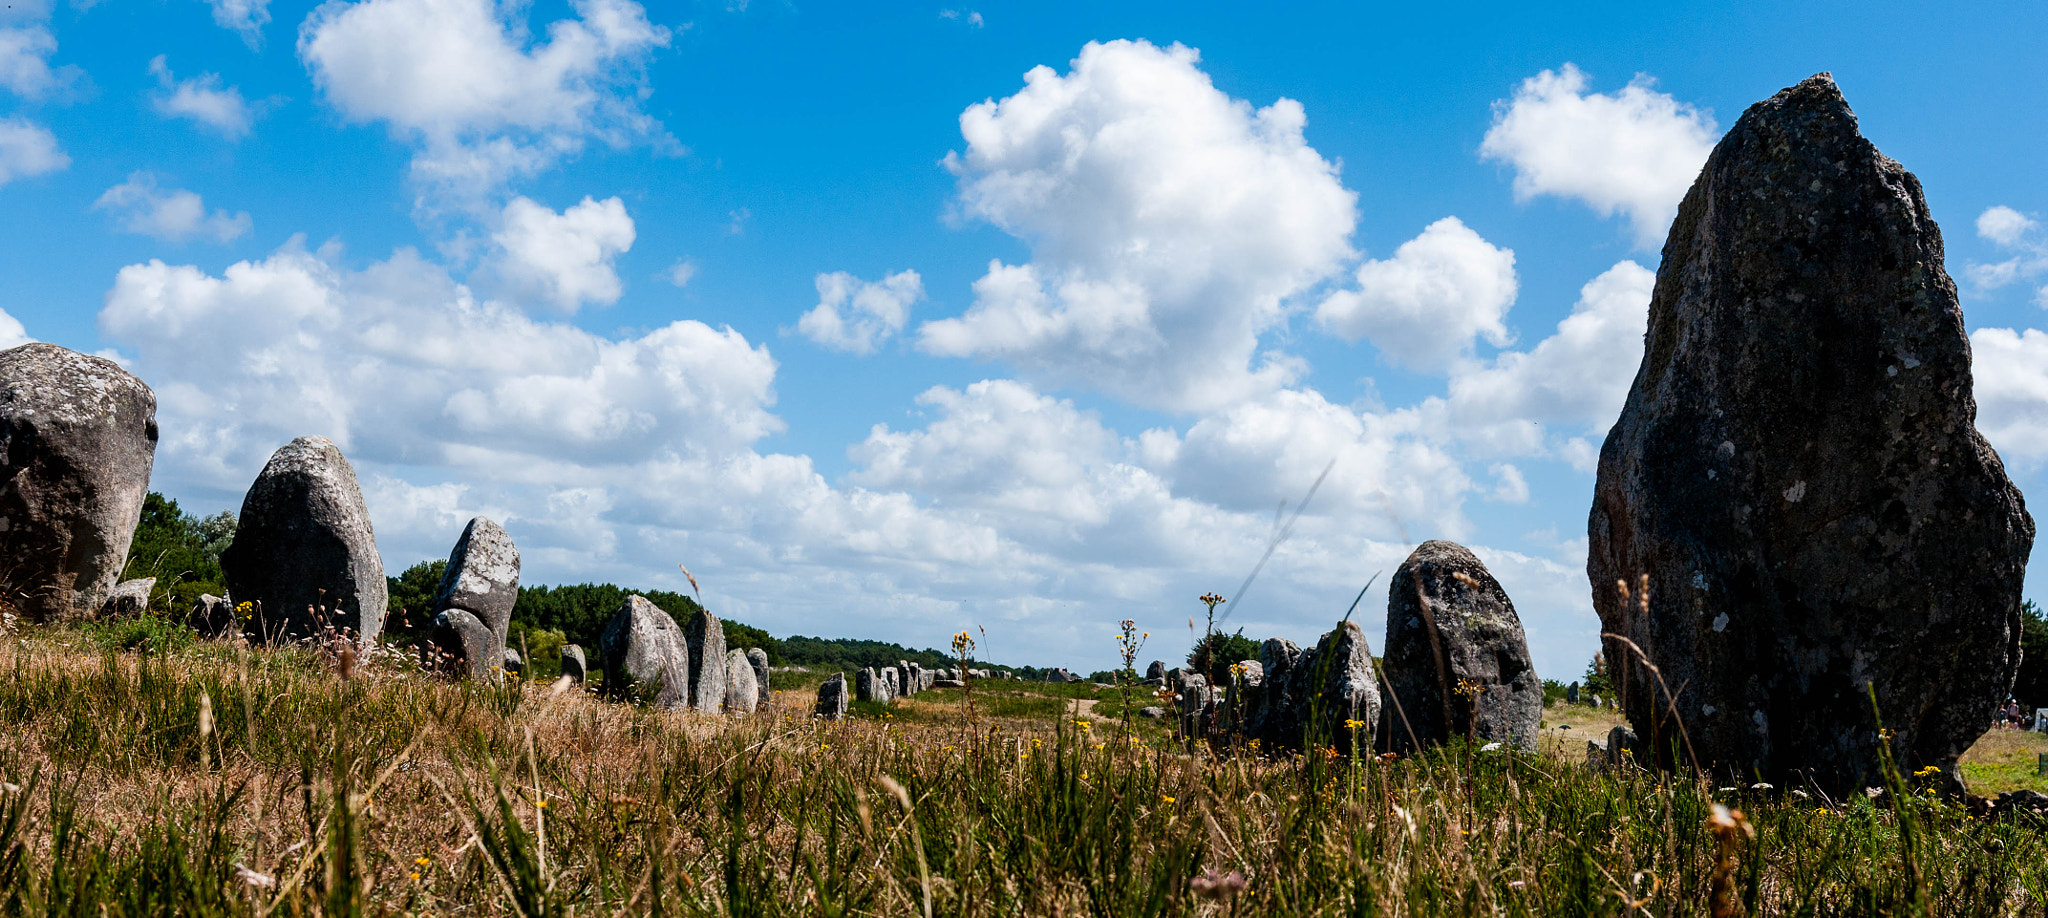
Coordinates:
[644,655]
[573,665]
[1798,474]
[705,635]
[740,694]
[304,543]
[482,576]
[757,659]
[77,437]
[832,697]
[868,686]
[1449,623]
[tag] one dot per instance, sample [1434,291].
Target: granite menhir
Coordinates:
[1797,475]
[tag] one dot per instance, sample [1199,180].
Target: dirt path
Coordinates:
[1085,708]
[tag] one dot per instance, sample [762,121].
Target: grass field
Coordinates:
[198,779]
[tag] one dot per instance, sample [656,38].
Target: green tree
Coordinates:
[1595,681]
[1214,655]
[181,551]
[409,610]
[2031,688]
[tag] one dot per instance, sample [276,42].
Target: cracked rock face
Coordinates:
[1449,621]
[304,544]
[77,438]
[705,636]
[1798,473]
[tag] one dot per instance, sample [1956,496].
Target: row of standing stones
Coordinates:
[77,439]
[1805,559]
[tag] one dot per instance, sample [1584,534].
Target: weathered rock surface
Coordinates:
[1798,474]
[913,679]
[1270,715]
[77,437]
[1156,671]
[514,664]
[468,647]
[868,686]
[757,659]
[1152,712]
[1571,693]
[832,697]
[741,694]
[1449,622]
[303,544]
[644,655]
[948,683]
[129,597]
[573,664]
[211,616]
[705,635]
[1060,674]
[482,577]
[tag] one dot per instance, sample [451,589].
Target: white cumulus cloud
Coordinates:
[173,216]
[27,149]
[1575,380]
[2010,369]
[12,333]
[1632,152]
[481,100]
[856,316]
[25,63]
[2018,234]
[1168,225]
[1424,307]
[201,99]
[244,17]
[563,260]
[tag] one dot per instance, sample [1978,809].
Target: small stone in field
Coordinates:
[832,697]
[573,666]
[129,597]
[468,647]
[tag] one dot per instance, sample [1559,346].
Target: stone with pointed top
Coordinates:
[1798,474]
[832,697]
[741,696]
[758,660]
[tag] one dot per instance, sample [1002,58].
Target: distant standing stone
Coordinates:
[1571,693]
[644,655]
[1449,623]
[914,681]
[304,543]
[890,681]
[515,665]
[1798,473]
[211,616]
[757,659]
[467,646]
[77,437]
[1156,671]
[705,635]
[1271,715]
[129,597]
[741,696]
[573,666]
[482,576]
[832,697]
[868,686]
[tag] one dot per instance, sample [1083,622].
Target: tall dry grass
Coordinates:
[200,779]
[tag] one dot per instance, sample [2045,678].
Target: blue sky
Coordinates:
[885,338]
